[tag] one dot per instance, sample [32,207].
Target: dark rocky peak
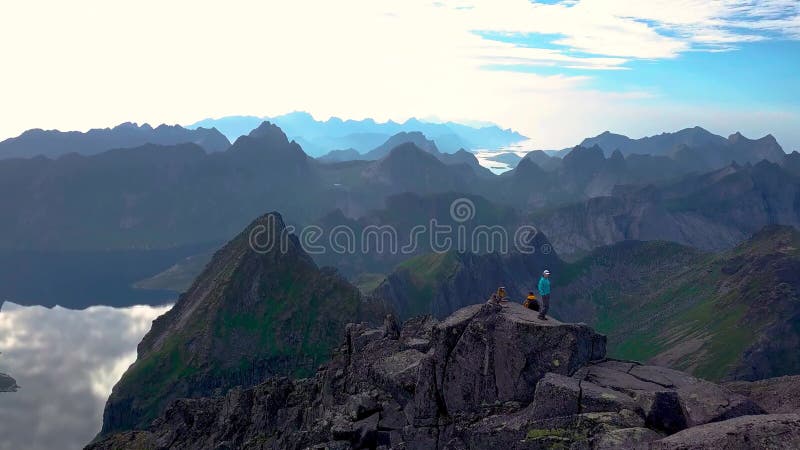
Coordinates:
[584,157]
[527,168]
[543,160]
[582,163]
[260,308]
[409,153]
[270,142]
[737,137]
[403,138]
[488,376]
[766,147]
[538,156]
[415,137]
[268,131]
[132,126]
[616,155]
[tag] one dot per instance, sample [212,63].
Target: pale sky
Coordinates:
[557,71]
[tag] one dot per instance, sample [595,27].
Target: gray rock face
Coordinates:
[775,395]
[772,431]
[489,376]
[485,354]
[670,400]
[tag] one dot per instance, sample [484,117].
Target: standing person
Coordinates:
[544,291]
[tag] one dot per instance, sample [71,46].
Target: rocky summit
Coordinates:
[488,376]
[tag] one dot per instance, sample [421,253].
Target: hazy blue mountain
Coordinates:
[348,154]
[660,144]
[792,162]
[319,137]
[415,137]
[169,196]
[53,143]
[509,158]
[693,147]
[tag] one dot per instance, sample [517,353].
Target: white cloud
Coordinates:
[76,65]
[66,363]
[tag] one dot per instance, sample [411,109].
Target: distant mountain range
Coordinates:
[711,211]
[54,143]
[157,197]
[690,149]
[320,137]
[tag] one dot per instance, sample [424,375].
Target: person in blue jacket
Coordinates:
[544,292]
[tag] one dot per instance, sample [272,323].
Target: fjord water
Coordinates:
[66,362]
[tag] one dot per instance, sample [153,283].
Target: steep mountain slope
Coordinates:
[249,315]
[733,315]
[53,143]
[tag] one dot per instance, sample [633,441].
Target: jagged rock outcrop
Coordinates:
[773,431]
[779,395]
[488,376]
[7,384]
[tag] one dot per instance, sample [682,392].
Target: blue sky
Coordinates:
[557,71]
[756,73]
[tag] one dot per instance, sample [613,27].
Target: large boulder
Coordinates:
[775,395]
[670,400]
[772,431]
[488,354]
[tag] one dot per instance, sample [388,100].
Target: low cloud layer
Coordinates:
[66,363]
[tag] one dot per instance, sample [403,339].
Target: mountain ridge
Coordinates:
[55,143]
